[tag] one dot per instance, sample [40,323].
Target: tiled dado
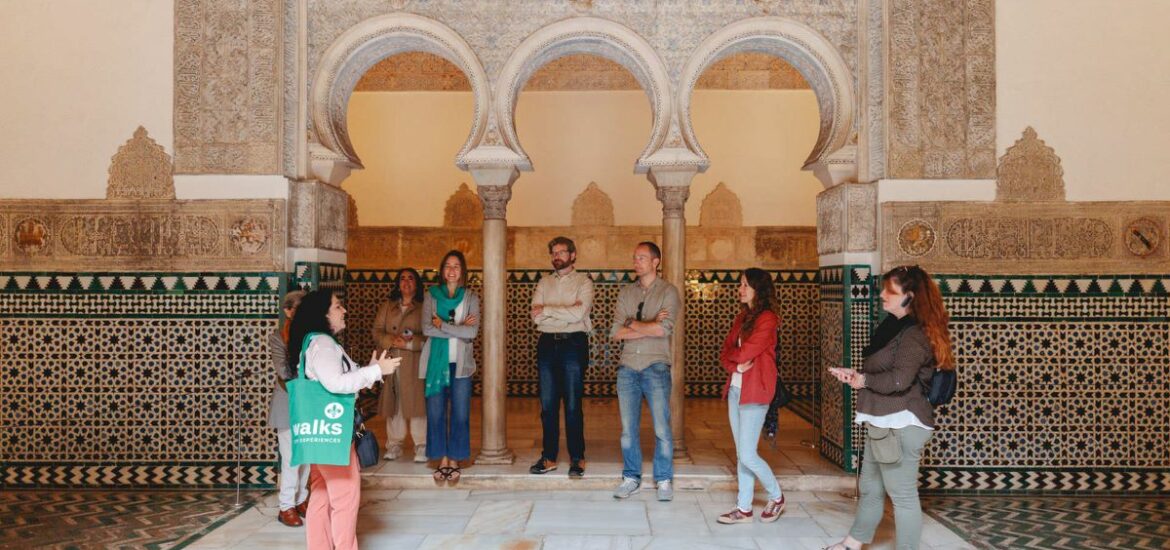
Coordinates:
[136,379]
[711,307]
[846,320]
[1064,385]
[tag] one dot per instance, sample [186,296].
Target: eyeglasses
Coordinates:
[640,304]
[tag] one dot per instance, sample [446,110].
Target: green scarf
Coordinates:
[439,360]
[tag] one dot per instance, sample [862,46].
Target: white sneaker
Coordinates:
[665,490]
[393,452]
[420,453]
[628,487]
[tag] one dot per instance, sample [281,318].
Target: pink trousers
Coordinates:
[334,495]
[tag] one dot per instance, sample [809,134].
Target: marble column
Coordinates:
[495,189]
[673,187]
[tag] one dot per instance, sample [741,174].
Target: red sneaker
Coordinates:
[772,510]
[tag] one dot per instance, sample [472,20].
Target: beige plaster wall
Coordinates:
[757,141]
[78,77]
[1092,77]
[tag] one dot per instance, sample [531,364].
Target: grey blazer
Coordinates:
[278,406]
[465,351]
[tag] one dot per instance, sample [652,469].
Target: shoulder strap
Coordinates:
[305,348]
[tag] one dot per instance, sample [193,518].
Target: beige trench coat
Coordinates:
[404,389]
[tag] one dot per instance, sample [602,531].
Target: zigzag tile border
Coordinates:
[1046,481]
[144,475]
[1054,286]
[140,283]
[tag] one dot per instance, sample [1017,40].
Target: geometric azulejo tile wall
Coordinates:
[136,379]
[1064,385]
[846,319]
[711,306]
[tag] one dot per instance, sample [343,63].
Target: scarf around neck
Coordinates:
[889,329]
[438,370]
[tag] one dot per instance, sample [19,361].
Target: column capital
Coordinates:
[672,185]
[493,182]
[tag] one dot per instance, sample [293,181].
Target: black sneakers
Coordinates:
[577,468]
[542,466]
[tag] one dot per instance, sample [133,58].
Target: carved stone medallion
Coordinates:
[32,236]
[249,235]
[1143,236]
[916,237]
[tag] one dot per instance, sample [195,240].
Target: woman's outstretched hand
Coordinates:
[389,365]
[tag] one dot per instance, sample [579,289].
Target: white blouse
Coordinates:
[324,360]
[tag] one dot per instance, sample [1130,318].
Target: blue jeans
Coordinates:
[746,422]
[653,382]
[561,360]
[452,441]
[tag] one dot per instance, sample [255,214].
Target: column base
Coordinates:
[496,456]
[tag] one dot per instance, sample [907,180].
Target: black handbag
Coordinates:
[942,387]
[782,397]
[364,442]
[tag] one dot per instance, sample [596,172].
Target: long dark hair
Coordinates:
[462,267]
[311,316]
[927,308]
[396,294]
[765,300]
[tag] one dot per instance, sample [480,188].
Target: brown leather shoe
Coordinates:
[290,518]
[302,508]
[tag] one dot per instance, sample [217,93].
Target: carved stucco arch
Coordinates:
[817,60]
[584,35]
[370,41]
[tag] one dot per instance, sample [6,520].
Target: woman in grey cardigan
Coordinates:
[294,480]
[892,405]
[450,322]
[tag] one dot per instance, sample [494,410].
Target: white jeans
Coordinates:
[294,480]
[396,430]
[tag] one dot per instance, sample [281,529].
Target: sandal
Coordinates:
[453,474]
[441,474]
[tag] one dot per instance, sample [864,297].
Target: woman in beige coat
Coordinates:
[398,328]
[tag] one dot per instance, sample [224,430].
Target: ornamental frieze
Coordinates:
[1013,238]
[94,235]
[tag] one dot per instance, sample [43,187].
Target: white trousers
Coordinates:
[396,430]
[294,480]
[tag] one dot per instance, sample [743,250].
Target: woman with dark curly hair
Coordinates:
[334,491]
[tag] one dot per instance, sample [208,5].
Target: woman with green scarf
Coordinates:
[450,322]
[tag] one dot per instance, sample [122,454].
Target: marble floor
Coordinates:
[710,459]
[551,520]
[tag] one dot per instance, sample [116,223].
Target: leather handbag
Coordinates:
[364,443]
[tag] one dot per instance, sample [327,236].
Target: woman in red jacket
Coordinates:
[749,357]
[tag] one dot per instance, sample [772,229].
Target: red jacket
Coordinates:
[759,382]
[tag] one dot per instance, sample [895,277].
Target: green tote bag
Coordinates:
[322,421]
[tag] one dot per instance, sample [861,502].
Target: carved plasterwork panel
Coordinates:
[332,212]
[942,89]
[721,208]
[157,235]
[227,87]
[1029,171]
[847,218]
[141,169]
[1037,238]
[592,207]
[464,209]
